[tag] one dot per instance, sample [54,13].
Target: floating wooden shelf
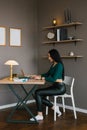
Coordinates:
[75,40]
[63,25]
[63,41]
[68,57]
[75,56]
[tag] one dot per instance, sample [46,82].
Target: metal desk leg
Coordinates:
[22,102]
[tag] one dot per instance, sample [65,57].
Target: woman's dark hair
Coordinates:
[54,54]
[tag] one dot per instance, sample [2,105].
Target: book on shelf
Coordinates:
[61,34]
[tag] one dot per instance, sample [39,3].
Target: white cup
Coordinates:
[71,53]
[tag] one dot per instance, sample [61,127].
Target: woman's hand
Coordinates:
[36,76]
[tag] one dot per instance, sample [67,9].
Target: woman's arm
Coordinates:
[42,76]
[55,74]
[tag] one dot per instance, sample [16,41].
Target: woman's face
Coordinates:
[50,58]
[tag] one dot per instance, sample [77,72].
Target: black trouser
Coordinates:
[40,94]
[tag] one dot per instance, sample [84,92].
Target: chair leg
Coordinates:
[47,107]
[54,108]
[63,104]
[73,103]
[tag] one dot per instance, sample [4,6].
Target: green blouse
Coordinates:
[54,73]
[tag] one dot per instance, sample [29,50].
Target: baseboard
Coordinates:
[32,101]
[13,104]
[77,109]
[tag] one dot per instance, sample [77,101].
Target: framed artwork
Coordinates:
[15,37]
[2,36]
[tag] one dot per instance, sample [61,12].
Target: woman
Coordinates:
[55,75]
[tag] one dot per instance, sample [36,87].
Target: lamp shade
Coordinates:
[11,62]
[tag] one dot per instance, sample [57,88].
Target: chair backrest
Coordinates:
[69,81]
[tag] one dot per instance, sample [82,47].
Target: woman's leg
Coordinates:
[39,101]
[40,96]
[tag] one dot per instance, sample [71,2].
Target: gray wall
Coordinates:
[23,14]
[18,14]
[48,9]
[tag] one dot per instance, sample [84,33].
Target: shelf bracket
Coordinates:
[53,44]
[75,58]
[75,43]
[75,27]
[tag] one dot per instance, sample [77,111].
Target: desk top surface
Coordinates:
[30,81]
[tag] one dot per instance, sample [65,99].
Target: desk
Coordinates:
[22,101]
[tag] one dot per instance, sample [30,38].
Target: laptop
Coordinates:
[23,76]
[22,72]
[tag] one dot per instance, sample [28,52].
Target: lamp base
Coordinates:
[10,78]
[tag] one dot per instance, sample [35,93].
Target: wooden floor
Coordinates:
[65,122]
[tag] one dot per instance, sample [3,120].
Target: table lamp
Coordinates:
[11,63]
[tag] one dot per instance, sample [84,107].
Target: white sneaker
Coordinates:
[38,118]
[58,111]
[59,114]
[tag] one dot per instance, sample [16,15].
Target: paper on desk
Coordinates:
[20,79]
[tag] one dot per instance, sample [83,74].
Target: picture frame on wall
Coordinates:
[15,37]
[2,36]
